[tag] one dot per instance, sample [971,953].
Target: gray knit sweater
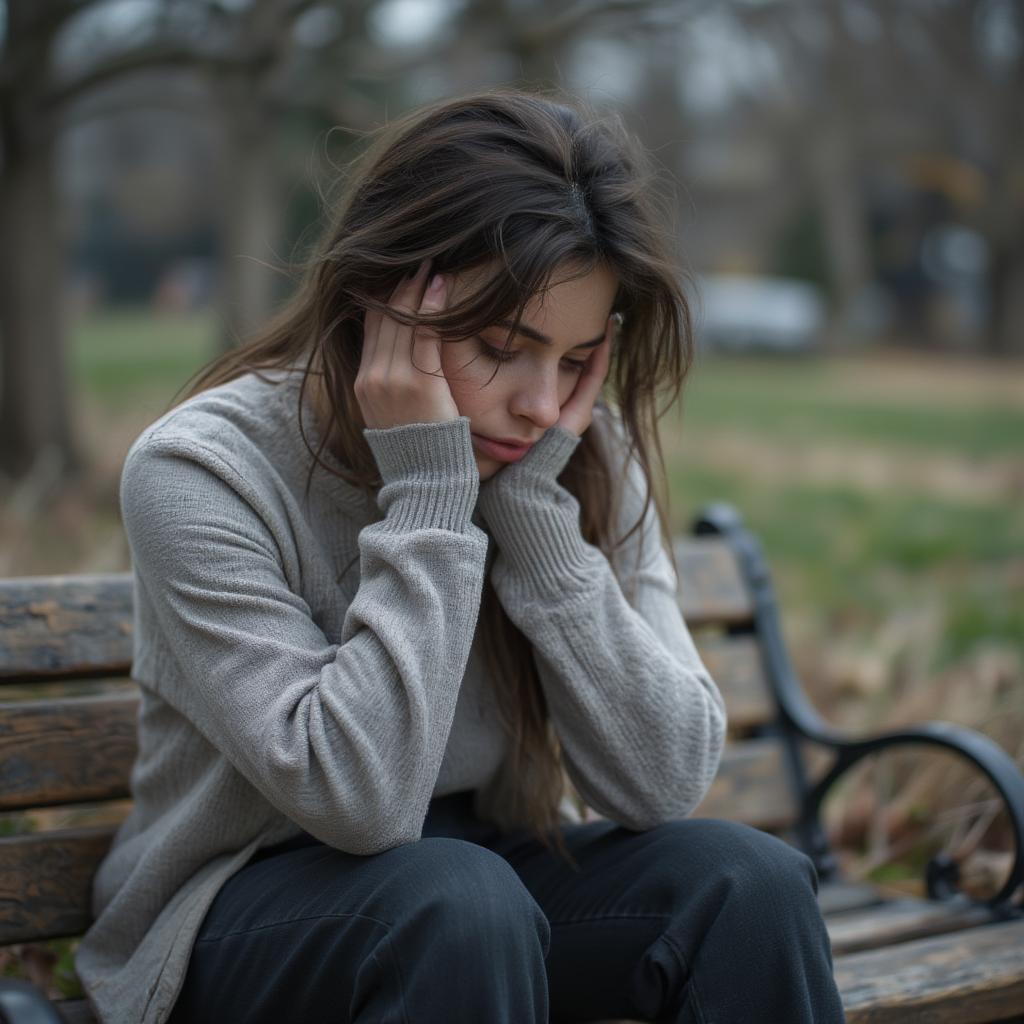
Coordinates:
[281,693]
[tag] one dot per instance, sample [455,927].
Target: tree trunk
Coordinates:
[836,183]
[253,224]
[1005,334]
[1002,221]
[35,419]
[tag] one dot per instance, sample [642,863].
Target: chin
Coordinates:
[487,468]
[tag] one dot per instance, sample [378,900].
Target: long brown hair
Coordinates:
[540,183]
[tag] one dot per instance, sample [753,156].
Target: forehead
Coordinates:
[571,310]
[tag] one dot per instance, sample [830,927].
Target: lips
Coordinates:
[501,450]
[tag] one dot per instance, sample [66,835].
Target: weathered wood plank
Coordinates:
[844,897]
[711,589]
[59,689]
[67,751]
[65,626]
[46,882]
[735,665]
[902,920]
[751,786]
[972,977]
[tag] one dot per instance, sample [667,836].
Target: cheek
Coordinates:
[466,378]
[566,385]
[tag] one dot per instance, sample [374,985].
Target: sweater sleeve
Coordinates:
[640,720]
[346,739]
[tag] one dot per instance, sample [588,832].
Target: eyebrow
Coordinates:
[532,332]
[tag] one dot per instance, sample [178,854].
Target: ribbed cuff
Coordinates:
[429,473]
[535,521]
[548,457]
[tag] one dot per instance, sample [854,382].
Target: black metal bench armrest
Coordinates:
[942,873]
[22,1003]
[798,720]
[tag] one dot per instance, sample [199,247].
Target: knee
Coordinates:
[759,859]
[470,895]
[742,862]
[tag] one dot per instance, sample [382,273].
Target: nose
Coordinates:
[537,399]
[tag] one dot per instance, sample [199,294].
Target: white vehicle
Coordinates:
[735,312]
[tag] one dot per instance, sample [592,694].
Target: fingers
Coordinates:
[578,411]
[371,330]
[433,302]
[391,386]
[392,335]
[597,365]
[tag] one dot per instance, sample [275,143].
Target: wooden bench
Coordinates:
[945,958]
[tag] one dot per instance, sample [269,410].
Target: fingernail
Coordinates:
[436,283]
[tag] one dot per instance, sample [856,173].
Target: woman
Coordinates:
[400,579]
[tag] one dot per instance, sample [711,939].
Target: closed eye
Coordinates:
[498,355]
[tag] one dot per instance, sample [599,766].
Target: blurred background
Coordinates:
[848,178]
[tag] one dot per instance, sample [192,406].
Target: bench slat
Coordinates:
[72,750]
[711,589]
[736,667]
[902,920]
[46,882]
[841,897]
[65,626]
[972,977]
[751,786]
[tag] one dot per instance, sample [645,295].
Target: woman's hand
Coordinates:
[399,379]
[577,412]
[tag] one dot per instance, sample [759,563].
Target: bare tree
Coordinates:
[873,84]
[35,417]
[236,51]
[257,72]
[977,84]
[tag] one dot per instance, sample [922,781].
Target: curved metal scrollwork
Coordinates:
[799,721]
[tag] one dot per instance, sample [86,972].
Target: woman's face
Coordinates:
[534,379]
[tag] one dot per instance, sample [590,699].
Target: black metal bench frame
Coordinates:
[798,721]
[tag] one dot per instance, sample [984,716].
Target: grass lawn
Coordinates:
[131,360]
[860,401]
[874,482]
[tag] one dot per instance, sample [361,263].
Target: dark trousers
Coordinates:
[699,921]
